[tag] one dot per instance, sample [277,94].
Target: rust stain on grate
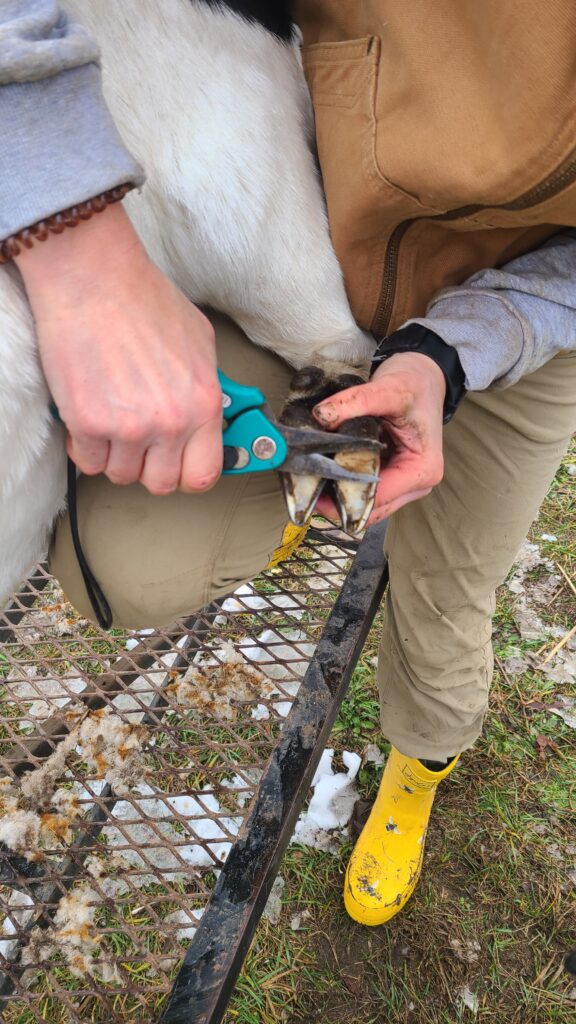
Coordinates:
[128,762]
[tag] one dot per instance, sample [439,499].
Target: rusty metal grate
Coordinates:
[129,764]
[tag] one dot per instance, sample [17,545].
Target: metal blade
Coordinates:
[301,494]
[300,464]
[307,439]
[313,439]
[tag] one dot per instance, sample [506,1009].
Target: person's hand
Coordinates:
[129,361]
[408,392]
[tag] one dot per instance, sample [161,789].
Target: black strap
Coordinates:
[98,601]
[417,338]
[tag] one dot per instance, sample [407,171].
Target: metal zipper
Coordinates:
[562,176]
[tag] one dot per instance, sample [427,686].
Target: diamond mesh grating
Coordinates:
[127,765]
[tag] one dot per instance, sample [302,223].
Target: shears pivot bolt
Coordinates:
[264,447]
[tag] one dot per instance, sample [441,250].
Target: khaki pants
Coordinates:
[159,558]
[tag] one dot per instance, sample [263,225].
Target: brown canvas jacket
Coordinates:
[446,134]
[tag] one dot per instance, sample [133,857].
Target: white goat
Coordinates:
[216,109]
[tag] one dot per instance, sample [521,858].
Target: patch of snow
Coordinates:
[281,654]
[139,694]
[562,669]
[273,907]
[87,792]
[469,999]
[288,603]
[331,569]
[331,805]
[46,693]
[297,919]
[550,537]
[147,822]
[529,557]
[324,766]
[466,950]
[539,592]
[373,755]
[245,599]
[567,712]
[529,624]
[136,638]
[247,782]
[17,915]
[188,919]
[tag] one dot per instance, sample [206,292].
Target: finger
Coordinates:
[381,512]
[407,473]
[326,507]
[125,461]
[375,398]
[90,456]
[202,458]
[407,477]
[162,468]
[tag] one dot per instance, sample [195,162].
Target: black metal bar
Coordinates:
[214,959]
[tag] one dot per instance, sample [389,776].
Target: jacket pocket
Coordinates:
[343,77]
[363,205]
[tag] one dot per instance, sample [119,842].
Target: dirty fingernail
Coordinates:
[324,412]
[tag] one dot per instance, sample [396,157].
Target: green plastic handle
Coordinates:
[246,424]
[237,398]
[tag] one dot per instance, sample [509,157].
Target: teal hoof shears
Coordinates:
[252,441]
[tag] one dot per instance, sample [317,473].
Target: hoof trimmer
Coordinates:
[309,458]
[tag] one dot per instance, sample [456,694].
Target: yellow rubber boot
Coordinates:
[386,862]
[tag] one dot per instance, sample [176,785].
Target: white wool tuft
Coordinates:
[112,748]
[19,830]
[219,682]
[73,934]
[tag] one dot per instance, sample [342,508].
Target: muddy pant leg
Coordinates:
[157,558]
[449,552]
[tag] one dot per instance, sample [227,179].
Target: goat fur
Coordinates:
[216,110]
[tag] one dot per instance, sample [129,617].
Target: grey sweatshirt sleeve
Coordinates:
[507,323]
[58,144]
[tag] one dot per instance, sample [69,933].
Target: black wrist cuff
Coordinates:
[416,338]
